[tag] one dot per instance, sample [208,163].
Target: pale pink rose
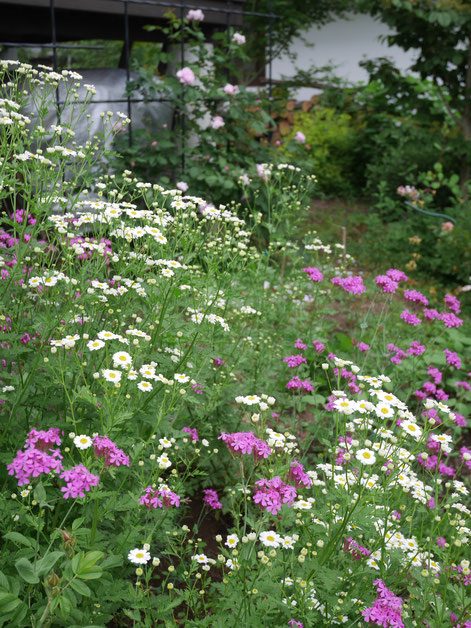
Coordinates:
[447,226]
[217,122]
[231,90]
[181,185]
[186,76]
[196,15]
[238,39]
[300,137]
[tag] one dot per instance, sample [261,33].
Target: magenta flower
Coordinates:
[246,443]
[42,439]
[350,546]
[299,344]
[107,449]
[431,314]
[294,360]
[78,481]
[211,498]
[362,346]
[386,283]
[386,610]
[353,285]
[415,296]
[297,384]
[32,462]
[451,320]
[159,498]
[396,275]
[186,76]
[318,346]
[452,358]
[453,303]
[271,494]
[298,476]
[193,432]
[441,541]
[314,273]
[409,318]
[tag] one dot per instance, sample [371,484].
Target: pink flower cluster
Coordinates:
[159,498]
[211,498]
[353,285]
[396,275]
[246,443]
[299,344]
[106,448]
[362,346]
[297,384]
[432,463]
[318,346]
[32,462]
[314,273]
[271,494]
[415,348]
[193,432]
[358,552]
[410,319]
[43,439]
[452,358]
[386,283]
[386,610]
[294,360]
[415,296]
[298,476]
[453,303]
[78,480]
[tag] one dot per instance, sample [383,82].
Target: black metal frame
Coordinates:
[183,8]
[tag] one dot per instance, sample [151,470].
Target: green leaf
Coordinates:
[40,493]
[16,537]
[89,560]
[90,573]
[80,587]
[8,602]
[26,571]
[45,565]
[65,607]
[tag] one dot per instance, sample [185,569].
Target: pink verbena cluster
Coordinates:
[451,320]
[299,344]
[314,273]
[353,285]
[298,476]
[318,346]
[415,348]
[416,297]
[246,443]
[159,498]
[453,303]
[271,494]
[396,275]
[350,546]
[386,283]
[114,457]
[386,610]
[212,499]
[78,480]
[43,439]
[452,358]
[32,462]
[193,432]
[362,346]
[409,318]
[297,383]
[294,360]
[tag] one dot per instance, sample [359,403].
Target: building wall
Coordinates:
[345,43]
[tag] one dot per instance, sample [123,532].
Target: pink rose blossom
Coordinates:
[231,90]
[186,76]
[217,122]
[196,15]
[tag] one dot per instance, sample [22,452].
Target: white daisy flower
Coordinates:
[411,428]
[122,358]
[145,386]
[139,556]
[83,442]
[183,379]
[270,539]
[164,461]
[111,376]
[232,540]
[366,456]
[384,410]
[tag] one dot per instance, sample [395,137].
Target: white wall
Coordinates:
[344,43]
